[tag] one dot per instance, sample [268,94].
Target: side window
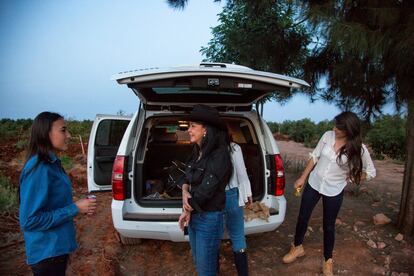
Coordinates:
[246,134]
[110,132]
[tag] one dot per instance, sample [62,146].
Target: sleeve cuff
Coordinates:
[73,210]
[368,176]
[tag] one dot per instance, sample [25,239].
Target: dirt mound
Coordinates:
[78,176]
[11,161]
[75,149]
[8,150]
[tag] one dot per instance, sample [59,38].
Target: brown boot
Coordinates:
[328,267]
[295,252]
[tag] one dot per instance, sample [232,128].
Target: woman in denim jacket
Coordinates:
[46,208]
[207,173]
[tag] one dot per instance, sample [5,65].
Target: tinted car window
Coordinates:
[110,132]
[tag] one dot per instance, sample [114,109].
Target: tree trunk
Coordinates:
[406,215]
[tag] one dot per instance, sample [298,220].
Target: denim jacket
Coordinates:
[46,210]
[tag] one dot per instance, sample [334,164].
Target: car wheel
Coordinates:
[129,241]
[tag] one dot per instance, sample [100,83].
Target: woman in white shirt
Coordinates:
[339,158]
[238,193]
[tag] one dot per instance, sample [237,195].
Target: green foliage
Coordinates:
[8,195]
[20,128]
[365,58]
[262,35]
[274,127]
[388,137]
[67,163]
[303,131]
[21,144]
[14,128]
[81,128]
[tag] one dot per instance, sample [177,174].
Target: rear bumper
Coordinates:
[169,230]
[159,230]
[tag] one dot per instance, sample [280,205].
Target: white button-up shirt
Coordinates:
[329,178]
[239,178]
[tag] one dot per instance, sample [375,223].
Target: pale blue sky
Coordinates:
[60,55]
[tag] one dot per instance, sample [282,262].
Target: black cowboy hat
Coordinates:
[206,114]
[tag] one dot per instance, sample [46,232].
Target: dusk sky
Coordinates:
[60,55]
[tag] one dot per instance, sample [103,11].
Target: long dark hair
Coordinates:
[349,123]
[39,141]
[215,138]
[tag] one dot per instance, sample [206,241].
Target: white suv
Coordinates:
[139,169]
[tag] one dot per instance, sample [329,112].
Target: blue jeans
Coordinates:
[234,220]
[331,206]
[205,232]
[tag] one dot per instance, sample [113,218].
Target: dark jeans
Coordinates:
[331,206]
[55,266]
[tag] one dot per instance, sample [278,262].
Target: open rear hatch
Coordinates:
[215,84]
[225,86]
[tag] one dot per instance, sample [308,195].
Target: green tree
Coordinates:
[364,53]
[387,136]
[262,35]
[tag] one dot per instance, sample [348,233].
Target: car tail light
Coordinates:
[118,178]
[280,175]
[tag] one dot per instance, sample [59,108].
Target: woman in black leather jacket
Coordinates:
[207,173]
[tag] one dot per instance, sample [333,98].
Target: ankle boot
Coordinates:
[327,267]
[295,252]
[240,260]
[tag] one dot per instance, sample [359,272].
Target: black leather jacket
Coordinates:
[208,178]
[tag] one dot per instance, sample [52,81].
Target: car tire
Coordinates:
[129,241]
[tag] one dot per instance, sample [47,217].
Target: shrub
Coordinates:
[302,131]
[293,165]
[387,137]
[8,195]
[67,163]
[14,128]
[319,130]
[81,128]
[274,127]
[21,144]
[20,128]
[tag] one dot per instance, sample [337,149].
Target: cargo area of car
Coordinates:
[167,150]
